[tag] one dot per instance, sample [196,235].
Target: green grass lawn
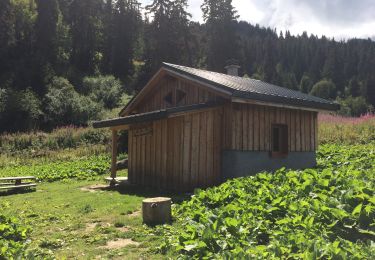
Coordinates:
[68,221]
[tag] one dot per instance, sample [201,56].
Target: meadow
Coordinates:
[346,130]
[325,212]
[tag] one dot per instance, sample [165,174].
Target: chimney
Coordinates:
[232,67]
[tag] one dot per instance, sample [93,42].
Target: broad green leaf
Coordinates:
[357,210]
[338,213]
[283,221]
[323,182]
[276,201]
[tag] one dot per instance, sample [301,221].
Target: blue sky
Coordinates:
[334,18]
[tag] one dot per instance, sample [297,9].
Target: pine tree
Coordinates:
[85,32]
[220,17]
[167,33]
[46,40]
[126,28]
[179,21]
[330,65]
[108,31]
[6,25]
[21,65]
[353,88]
[46,30]
[7,37]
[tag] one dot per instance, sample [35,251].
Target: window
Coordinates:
[174,98]
[279,138]
[179,96]
[169,98]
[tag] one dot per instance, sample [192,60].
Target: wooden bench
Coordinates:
[8,183]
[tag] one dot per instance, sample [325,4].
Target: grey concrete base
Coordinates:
[244,163]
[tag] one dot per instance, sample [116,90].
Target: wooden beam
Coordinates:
[120,127]
[188,113]
[114,154]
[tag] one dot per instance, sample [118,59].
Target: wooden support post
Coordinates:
[114,156]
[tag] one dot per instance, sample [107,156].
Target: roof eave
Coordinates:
[284,102]
[154,115]
[143,91]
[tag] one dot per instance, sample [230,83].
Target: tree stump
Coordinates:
[156,210]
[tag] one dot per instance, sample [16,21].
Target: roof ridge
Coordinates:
[205,70]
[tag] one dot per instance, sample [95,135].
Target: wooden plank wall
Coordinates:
[155,99]
[180,153]
[248,127]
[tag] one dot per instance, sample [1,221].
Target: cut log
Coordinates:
[156,211]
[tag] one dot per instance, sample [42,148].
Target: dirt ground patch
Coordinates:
[114,244]
[135,213]
[95,187]
[90,227]
[123,229]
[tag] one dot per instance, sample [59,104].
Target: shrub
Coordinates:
[103,89]
[64,106]
[306,84]
[19,110]
[324,89]
[353,106]
[60,138]
[2,101]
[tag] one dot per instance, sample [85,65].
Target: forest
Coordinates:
[67,62]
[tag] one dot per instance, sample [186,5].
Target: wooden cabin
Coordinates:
[190,128]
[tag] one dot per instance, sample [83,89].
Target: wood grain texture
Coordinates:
[202,149]
[184,152]
[164,149]
[250,112]
[218,127]
[180,153]
[238,127]
[261,129]
[210,149]
[298,131]
[256,128]
[195,150]
[186,164]
[307,131]
[292,131]
[245,127]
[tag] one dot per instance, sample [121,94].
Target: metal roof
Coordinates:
[253,89]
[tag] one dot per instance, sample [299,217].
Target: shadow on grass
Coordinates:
[126,188]
[17,191]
